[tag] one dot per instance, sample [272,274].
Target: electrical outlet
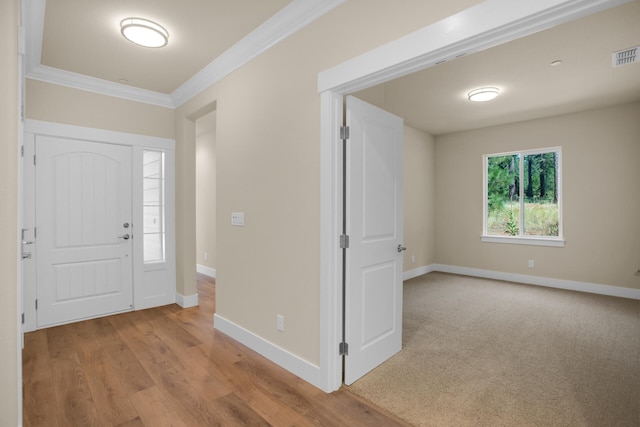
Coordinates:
[280,322]
[413,259]
[531,263]
[206,256]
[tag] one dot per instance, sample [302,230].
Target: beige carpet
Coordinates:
[480,352]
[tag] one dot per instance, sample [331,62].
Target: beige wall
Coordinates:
[600,153]
[60,104]
[419,198]
[9,344]
[268,165]
[206,190]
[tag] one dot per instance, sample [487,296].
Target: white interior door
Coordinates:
[373,299]
[83,240]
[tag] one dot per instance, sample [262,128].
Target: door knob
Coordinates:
[125,237]
[401,248]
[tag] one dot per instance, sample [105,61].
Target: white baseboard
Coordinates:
[207,271]
[417,272]
[592,288]
[292,363]
[187,301]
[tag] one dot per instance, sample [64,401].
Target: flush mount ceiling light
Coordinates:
[144,32]
[483,94]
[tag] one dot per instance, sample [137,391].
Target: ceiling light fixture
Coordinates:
[144,32]
[483,94]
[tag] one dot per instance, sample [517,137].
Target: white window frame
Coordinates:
[557,241]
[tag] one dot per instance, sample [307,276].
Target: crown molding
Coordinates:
[100,86]
[293,17]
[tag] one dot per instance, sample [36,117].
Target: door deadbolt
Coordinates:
[125,225]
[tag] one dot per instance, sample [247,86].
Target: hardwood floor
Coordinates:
[167,366]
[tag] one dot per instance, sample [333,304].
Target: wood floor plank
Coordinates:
[39,397]
[110,396]
[60,341]
[35,357]
[156,410]
[233,411]
[73,397]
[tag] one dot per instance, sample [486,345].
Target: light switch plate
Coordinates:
[237,218]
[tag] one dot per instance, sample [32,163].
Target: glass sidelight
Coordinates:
[154,206]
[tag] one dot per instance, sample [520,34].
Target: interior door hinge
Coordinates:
[343,349]
[23,318]
[344,132]
[36,304]
[344,241]
[22,151]
[34,159]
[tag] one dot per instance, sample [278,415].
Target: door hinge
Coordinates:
[344,132]
[343,349]
[36,304]
[344,241]
[22,151]
[23,318]
[34,159]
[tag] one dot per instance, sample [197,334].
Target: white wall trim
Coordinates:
[571,285]
[289,361]
[330,229]
[487,24]
[187,301]
[407,275]
[293,17]
[207,271]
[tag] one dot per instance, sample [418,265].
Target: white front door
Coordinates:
[83,240]
[373,328]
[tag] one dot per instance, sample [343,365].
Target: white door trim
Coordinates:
[488,24]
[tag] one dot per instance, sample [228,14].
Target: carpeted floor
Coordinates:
[480,352]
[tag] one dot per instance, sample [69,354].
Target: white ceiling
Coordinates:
[81,45]
[83,36]
[435,100]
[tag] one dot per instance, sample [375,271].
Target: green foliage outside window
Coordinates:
[526,182]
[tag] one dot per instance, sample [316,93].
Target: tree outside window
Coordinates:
[522,194]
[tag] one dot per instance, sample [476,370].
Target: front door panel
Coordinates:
[83,208]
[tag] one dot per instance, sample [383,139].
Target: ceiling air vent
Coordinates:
[627,56]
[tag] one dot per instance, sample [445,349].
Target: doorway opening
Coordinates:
[205,152]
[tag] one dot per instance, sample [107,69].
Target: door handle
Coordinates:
[125,237]
[401,248]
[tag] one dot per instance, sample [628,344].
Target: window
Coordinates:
[522,194]
[153,205]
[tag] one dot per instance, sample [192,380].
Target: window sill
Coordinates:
[532,241]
